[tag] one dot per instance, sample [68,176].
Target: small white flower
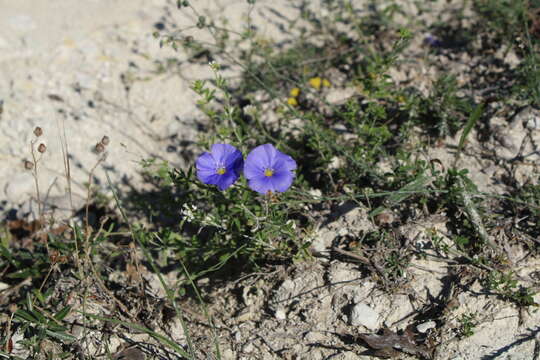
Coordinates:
[250,110]
[187,212]
[291,223]
[214,65]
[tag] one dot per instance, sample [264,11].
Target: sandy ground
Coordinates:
[89,71]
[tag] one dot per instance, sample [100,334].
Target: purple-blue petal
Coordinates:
[284,162]
[226,180]
[234,162]
[262,157]
[221,152]
[206,161]
[261,184]
[282,180]
[206,168]
[252,169]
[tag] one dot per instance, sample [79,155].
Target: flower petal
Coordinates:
[262,157]
[206,161]
[261,184]
[210,179]
[282,180]
[206,168]
[284,162]
[221,152]
[226,180]
[234,162]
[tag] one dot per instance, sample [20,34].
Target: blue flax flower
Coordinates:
[269,170]
[221,166]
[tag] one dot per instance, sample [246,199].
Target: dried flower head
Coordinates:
[268,170]
[105,140]
[384,219]
[100,148]
[28,165]
[221,166]
[38,131]
[42,148]
[13,308]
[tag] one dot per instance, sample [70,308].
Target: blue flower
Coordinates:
[269,170]
[432,41]
[221,166]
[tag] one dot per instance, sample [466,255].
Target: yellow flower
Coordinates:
[294,92]
[326,83]
[292,101]
[315,82]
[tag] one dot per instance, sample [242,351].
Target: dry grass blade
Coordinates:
[162,339]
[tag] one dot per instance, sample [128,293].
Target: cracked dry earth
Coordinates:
[93,71]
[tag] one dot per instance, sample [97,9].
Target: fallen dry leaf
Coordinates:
[389,344]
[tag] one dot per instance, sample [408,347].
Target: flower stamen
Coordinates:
[221,170]
[268,172]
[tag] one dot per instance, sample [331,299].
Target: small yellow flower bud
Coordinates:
[292,101]
[326,83]
[294,92]
[315,82]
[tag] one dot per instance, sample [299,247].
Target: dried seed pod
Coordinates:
[384,219]
[38,131]
[28,165]
[42,148]
[100,148]
[105,140]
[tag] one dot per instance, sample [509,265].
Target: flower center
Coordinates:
[221,170]
[268,172]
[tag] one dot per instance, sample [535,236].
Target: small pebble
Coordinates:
[424,327]
[533,123]
[363,315]
[280,314]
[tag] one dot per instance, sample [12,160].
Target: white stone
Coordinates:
[363,315]
[424,327]
[280,314]
[339,96]
[533,123]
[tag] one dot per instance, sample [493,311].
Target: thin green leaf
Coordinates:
[60,335]
[62,313]
[24,315]
[471,122]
